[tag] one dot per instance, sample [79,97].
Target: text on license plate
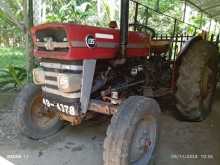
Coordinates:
[61,107]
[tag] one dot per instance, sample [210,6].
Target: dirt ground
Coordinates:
[181,143]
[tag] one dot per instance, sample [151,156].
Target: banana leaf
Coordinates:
[12,77]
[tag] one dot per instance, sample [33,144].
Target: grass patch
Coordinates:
[12,56]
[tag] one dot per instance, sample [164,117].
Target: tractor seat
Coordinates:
[159,46]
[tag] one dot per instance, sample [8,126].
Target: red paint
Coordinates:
[79,32]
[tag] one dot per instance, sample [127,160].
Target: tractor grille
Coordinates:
[52,40]
[52,70]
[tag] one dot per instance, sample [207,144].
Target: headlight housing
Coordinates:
[69,82]
[38,76]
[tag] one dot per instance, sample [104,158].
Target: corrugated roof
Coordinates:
[210,7]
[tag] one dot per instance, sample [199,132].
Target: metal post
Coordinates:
[210,23]
[217,40]
[30,13]
[176,47]
[173,36]
[215,27]
[174,29]
[28,18]
[174,64]
[124,27]
[184,14]
[146,13]
[181,41]
[135,16]
[212,38]
[194,34]
[157,5]
[201,19]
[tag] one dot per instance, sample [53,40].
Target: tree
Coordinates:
[76,11]
[7,12]
[20,13]
[39,11]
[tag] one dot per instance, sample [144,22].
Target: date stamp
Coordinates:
[192,156]
[17,156]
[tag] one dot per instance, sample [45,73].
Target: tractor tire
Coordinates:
[32,120]
[132,136]
[197,79]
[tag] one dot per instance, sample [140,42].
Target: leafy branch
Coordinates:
[12,77]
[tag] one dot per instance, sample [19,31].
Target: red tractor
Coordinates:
[85,70]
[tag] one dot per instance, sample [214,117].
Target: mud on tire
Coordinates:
[31,120]
[196,83]
[133,133]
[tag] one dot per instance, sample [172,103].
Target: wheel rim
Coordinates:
[143,142]
[41,117]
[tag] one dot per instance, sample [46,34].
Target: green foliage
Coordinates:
[107,9]
[70,11]
[12,77]
[12,56]
[12,72]
[10,34]
[165,25]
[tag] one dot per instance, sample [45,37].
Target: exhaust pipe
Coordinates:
[124,28]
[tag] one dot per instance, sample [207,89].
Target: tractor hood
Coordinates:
[78,42]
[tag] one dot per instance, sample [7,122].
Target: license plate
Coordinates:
[60,107]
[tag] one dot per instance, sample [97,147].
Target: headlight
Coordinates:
[69,83]
[38,76]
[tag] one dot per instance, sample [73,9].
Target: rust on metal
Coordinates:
[40,116]
[94,106]
[102,107]
[74,120]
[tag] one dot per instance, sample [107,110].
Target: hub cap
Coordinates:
[144,141]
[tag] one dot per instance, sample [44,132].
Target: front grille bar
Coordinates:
[55,69]
[57,92]
[50,45]
[61,66]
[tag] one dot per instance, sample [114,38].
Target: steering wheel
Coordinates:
[146,28]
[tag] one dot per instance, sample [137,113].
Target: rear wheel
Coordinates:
[33,120]
[133,133]
[196,81]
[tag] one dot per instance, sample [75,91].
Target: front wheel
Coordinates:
[33,120]
[133,133]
